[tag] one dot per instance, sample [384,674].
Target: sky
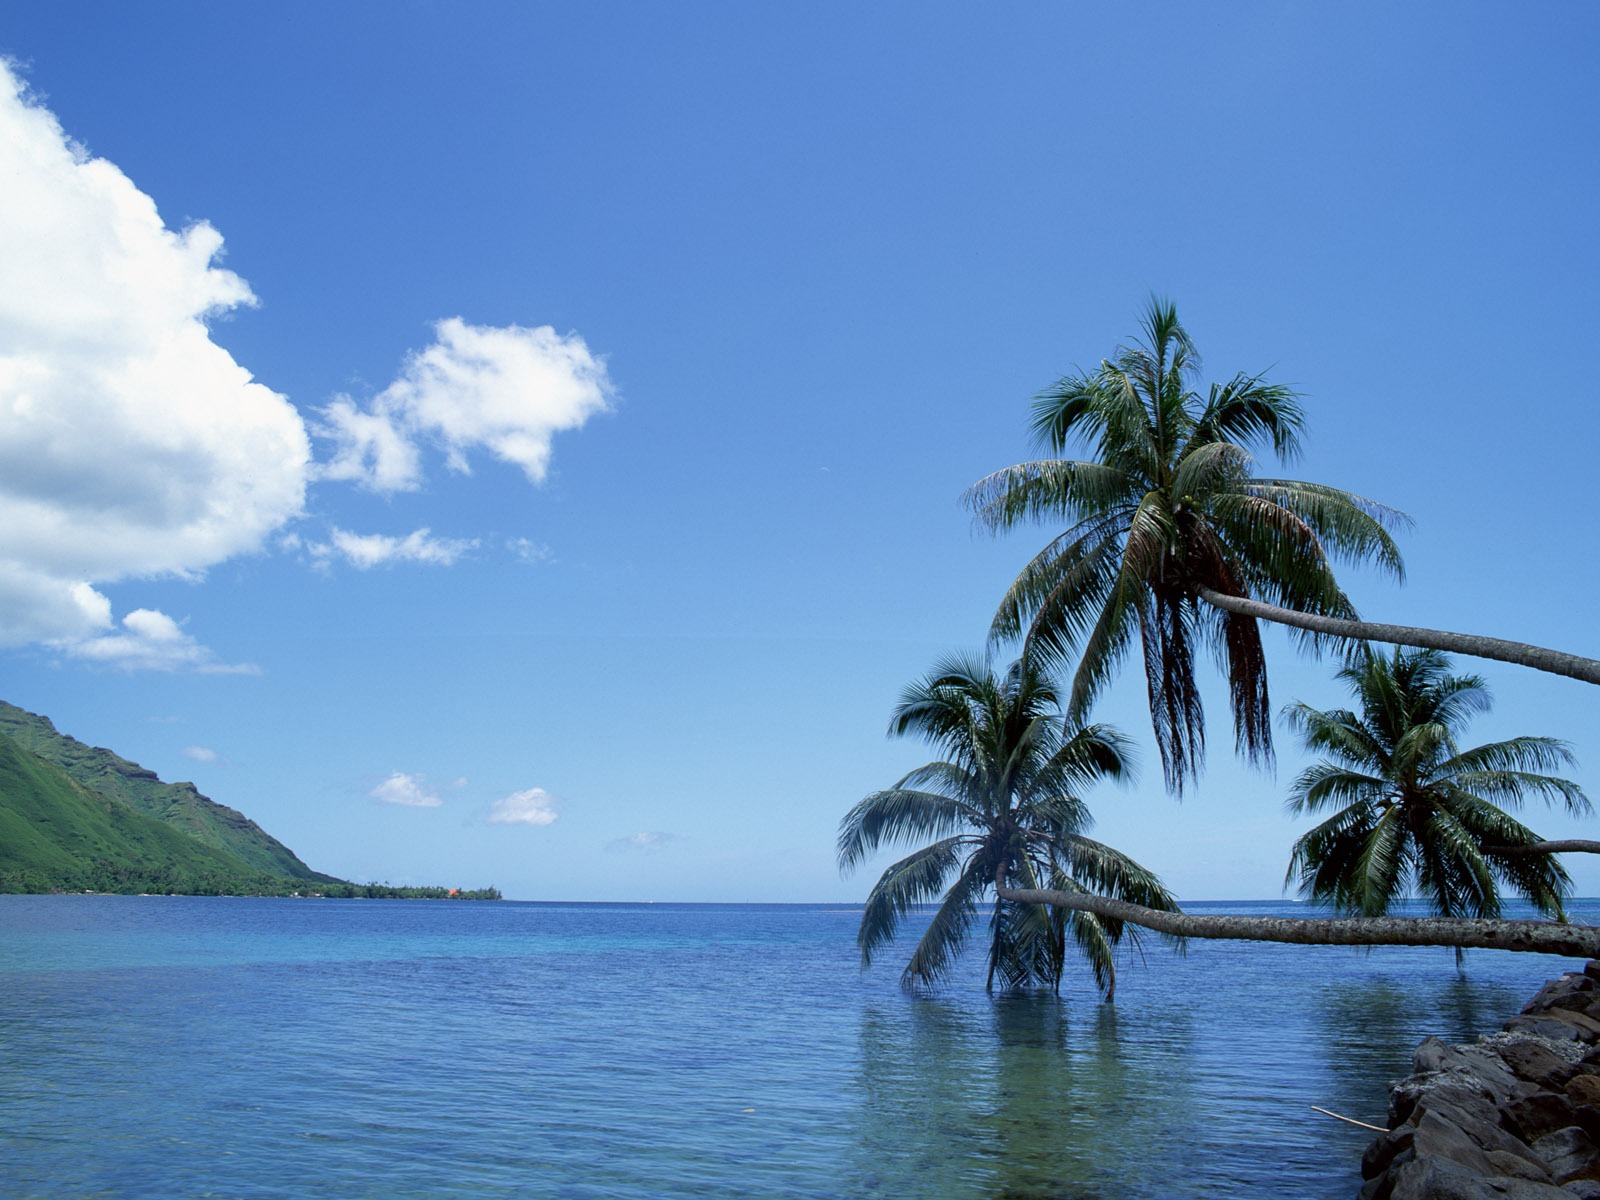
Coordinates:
[523,444]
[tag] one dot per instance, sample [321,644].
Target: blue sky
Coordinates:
[582,486]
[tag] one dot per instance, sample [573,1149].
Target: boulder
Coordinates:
[1479,1064]
[1569,1153]
[1515,1117]
[1533,1117]
[1558,1024]
[1447,1091]
[1573,991]
[1533,1060]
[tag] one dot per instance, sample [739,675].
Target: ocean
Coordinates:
[179,1047]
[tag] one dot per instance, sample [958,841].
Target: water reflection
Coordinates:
[1023,1097]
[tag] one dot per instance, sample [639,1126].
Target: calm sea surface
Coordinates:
[190,1047]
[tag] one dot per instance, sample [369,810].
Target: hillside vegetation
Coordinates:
[178,805]
[79,818]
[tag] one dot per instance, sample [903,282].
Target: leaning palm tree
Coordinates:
[1411,811]
[1414,813]
[1172,538]
[1003,811]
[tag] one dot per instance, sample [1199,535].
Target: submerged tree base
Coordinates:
[1465,933]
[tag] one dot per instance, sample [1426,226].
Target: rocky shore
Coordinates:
[1517,1115]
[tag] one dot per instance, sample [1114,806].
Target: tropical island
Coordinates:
[79,818]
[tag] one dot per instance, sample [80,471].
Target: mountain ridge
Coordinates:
[180,805]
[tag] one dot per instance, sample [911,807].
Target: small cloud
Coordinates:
[201,754]
[528,551]
[647,843]
[506,391]
[151,641]
[532,807]
[367,550]
[405,790]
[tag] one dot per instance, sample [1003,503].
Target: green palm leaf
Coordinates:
[1164,510]
[1412,811]
[1005,805]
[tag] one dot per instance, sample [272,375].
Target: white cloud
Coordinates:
[368,550]
[149,641]
[405,790]
[201,754]
[131,444]
[528,551]
[507,391]
[648,842]
[532,807]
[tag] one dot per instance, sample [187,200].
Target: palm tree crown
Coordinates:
[1412,811]
[1002,811]
[1168,508]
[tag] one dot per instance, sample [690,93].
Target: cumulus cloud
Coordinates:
[505,391]
[647,843]
[149,641]
[532,807]
[405,790]
[368,550]
[131,444]
[201,754]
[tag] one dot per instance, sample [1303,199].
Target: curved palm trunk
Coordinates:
[1556,662]
[1560,846]
[1535,937]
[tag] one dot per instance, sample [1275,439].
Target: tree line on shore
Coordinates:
[1173,543]
[106,876]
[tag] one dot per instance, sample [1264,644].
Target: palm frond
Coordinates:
[941,942]
[916,879]
[898,814]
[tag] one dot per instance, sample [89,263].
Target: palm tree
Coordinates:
[1411,810]
[1417,812]
[1171,536]
[1003,812]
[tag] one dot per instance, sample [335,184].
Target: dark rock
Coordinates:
[1438,1137]
[1558,1025]
[1534,1117]
[1532,1061]
[1381,1151]
[1446,1091]
[1432,1179]
[1527,1189]
[1517,1166]
[1515,1117]
[1574,991]
[1567,1152]
[1481,1065]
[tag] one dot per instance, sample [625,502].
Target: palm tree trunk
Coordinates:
[1535,937]
[1562,846]
[1556,662]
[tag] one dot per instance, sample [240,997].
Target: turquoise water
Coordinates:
[192,1047]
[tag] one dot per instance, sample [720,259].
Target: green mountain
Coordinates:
[56,833]
[78,818]
[178,805]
